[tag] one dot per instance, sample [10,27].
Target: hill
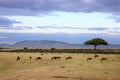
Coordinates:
[51,44]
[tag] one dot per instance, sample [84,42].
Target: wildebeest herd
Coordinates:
[67,58]
[55,58]
[52,58]
[95,56]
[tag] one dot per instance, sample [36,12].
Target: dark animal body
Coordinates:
[89,59]
[69,57]
[38,58]
[18,58]
[30,57]
[103,59]
[42,54]
[96,56]
[55,58]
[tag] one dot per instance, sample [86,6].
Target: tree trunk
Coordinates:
[95,49]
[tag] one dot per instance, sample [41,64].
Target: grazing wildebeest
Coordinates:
[42,53]
[96,55]
[30,57]
[55,58]
[38,58]
[58,57]
[69,57]
[89,59]
[18,58]
[103,59]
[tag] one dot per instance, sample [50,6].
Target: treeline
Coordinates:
[53,50]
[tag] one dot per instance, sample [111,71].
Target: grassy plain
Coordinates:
[77,68]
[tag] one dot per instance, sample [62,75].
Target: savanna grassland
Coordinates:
[77,68]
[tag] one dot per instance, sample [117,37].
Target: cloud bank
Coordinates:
[68,30]
[7,23]
[9,8]
[36,7]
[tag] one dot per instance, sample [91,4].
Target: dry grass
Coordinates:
[77,68]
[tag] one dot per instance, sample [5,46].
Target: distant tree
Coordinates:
[96,42]
[52,49]
[25,49]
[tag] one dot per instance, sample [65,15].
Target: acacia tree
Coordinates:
[96,42]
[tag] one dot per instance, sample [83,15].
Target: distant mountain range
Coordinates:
[51,44]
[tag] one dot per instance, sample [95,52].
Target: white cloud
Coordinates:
[60,19]
[69,30]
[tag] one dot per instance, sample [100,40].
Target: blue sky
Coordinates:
[73,21]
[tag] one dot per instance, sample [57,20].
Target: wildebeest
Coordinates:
[89,59]
[59,57]
[18,58]
[55,57]
[38,58]
[103,59]
[69,57]
[30,57]
[42,53]
[96,55]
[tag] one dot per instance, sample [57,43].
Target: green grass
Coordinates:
[77,68]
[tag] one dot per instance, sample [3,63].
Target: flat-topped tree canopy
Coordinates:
[96,42]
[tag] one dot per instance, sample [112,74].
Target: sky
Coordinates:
[73,21]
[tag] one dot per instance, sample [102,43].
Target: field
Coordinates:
[77,68]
